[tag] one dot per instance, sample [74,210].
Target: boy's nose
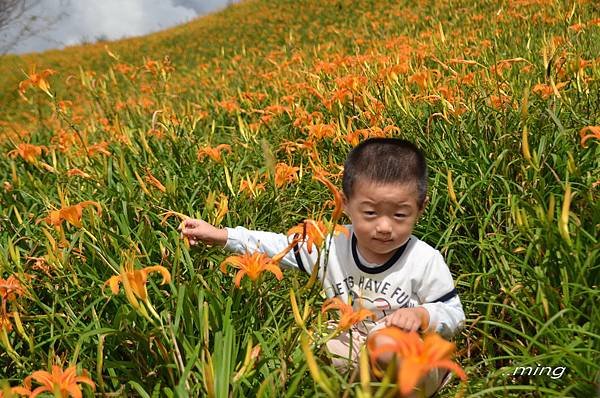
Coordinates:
[383,228]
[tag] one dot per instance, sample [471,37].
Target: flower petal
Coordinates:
[409,374]
[238,278]
[160,269]
[113,282]
[275,270]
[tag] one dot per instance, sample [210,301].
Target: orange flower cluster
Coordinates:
[10,288]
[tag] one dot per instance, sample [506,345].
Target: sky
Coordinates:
[59,23]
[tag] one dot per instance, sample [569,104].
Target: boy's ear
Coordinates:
[344,203]
[424,205]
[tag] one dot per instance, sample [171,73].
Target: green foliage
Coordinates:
[524,254]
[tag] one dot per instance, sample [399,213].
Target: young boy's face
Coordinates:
[383,217]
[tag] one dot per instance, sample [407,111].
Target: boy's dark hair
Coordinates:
[386,161]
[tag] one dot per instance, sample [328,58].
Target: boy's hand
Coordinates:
[409,319]
[198,230]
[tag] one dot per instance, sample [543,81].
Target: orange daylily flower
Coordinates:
[253,264]
[152,66]
[418,356]
[315,232]
[64,105]
[58,382]
[100,147]
[229,106]
[36,79]
[285,174]
[213,153]
[18,390]
[10,288]
[337,195]
[577,27]
[348,316]
[123,68]
[500,101]
[134,282]
[545,90]
[595,133]
[251,186]
[420,78]
[72,214]
[353,137]
[29,152]
[277,109]
[320,130]
[64,140]
[170,213]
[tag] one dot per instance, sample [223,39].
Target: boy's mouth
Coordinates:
[383,240]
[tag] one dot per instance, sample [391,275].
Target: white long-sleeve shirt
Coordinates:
[416,275]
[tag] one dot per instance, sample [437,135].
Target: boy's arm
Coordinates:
[445,318]
[438,296]
[240,240]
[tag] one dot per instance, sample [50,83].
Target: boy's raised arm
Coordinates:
[201,231]
[240,240]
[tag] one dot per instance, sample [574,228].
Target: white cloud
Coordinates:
[60,23]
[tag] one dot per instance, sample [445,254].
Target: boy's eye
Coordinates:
[369,213]
[400,215]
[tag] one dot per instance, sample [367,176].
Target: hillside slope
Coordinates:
[229,118]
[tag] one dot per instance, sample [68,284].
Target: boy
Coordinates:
[381,266]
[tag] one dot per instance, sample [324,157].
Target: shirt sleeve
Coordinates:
[438,296]
[240,240]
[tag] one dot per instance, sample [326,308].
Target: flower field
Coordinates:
[245,117]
